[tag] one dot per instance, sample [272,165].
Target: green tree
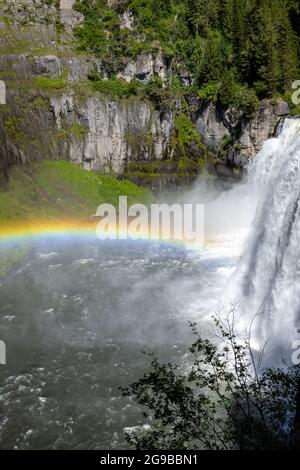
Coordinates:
[221,400]
[257,40]
[203,15]
[287,49]
[228,19]
[212,59]
[227,89]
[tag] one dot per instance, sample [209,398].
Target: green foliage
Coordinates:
[68,131]
[187,166]
[212,59]
[46,83]
[295,109]
[100,33]
[153,90]
[161,95]
[39,103]
[220,400]
[78,130]
[162,22]
[187,134]
[228,89]
[248,101]
[232,94]
[13,128]
[117,87]
[209,91]
[234,49]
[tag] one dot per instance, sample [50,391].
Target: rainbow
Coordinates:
[14,234]
[37,229]
[28,231]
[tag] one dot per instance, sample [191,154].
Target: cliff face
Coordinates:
[113,132]
[52,112]
[89,129]
[235,139]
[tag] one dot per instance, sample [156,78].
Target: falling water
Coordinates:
[269,270]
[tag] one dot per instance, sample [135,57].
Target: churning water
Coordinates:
[77,313]
[75,319]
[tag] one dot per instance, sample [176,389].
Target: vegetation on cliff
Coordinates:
[236,50]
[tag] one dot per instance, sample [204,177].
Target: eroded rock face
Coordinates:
[78,68]
[68,16]
[127,20]
[30,65]
[245,136]
[66,4]
[146,66]
[93,131]
[210,124]
[116,132]
[143,68]
[256,131]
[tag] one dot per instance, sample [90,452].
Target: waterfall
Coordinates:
[269,269]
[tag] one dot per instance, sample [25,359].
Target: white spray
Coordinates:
[269,270]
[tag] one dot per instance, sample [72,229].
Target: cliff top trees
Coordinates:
[257,41]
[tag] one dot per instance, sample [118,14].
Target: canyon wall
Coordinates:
[53,112]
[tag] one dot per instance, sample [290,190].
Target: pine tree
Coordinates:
[240,38]
[257,40]
[228,19]
[203,15]
[287,50]
[212,61]
[226,92]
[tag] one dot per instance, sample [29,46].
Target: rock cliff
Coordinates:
[52,112]
[235,139]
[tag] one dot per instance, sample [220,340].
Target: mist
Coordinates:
[84,309]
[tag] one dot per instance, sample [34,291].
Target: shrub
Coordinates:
[187,134]
[117,87]
[50,83]
[209,91]
[233,94]
[220,400]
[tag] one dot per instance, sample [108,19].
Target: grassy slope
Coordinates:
[58,190]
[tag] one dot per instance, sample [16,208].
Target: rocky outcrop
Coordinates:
[210,124]
[256,131]
[146,66]
[29,65]
[117,132]
[102,133]
[236,139]
[68,16]
[77,69]
[92,130]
